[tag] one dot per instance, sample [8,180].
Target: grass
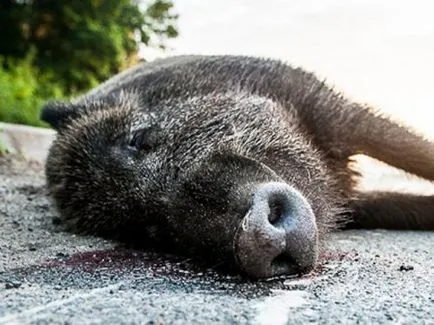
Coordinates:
[24,90]
[3,148]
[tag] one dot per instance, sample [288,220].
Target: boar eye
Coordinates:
[144,139]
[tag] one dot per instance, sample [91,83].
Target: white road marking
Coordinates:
[275,310]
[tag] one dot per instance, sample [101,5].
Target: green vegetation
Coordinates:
[3,149]
[24,89]
[56,49]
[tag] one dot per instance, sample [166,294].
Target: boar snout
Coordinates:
[278,235]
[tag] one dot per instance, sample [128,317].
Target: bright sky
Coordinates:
[380,52]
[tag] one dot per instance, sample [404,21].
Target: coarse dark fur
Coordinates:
[169,154]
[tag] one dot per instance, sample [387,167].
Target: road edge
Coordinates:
[32,143]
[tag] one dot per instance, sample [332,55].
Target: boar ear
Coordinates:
[59,114]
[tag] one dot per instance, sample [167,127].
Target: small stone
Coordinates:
[406,267]
[32,247]
[62,255]
[12,285]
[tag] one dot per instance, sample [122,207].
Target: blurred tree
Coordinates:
[81,43]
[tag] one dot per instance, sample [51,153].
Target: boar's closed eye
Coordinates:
[144,139]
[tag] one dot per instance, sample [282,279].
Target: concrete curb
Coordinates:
[30,142]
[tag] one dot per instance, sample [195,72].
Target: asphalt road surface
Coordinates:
[48,276]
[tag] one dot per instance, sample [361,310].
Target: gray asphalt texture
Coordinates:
[48,276]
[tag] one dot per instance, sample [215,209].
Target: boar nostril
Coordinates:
[284,264]
[276,210]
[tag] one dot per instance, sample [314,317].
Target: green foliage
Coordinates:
[83,42]
[23,90]
[52,48]
[3,149]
